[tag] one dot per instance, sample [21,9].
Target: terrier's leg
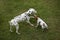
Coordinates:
[42,28]
[46,26]
[37,24]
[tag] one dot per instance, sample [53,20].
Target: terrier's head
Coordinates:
[36,17]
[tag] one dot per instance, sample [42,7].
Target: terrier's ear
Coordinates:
[36,17]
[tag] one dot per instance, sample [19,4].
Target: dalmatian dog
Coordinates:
[20,18]
[41,23]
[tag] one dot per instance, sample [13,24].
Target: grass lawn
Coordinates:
[48,10]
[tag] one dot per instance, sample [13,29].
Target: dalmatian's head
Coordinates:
[32,11]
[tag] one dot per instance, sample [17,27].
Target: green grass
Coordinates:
[48,10]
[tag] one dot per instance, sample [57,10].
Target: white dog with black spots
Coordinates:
[20,18]
[41,23]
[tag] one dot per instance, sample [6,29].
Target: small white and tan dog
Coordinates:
[20,18]
[41,23]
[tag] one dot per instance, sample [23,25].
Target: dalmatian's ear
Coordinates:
[30,12]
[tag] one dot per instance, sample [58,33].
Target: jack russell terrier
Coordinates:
[20,18]
[41,23]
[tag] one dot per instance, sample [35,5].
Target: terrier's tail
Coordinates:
[45,25]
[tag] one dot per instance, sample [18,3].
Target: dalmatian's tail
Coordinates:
[10,23]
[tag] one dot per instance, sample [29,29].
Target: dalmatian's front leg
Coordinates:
[28,18]
[30,23]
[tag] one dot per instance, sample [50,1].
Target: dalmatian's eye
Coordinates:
[29,11]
